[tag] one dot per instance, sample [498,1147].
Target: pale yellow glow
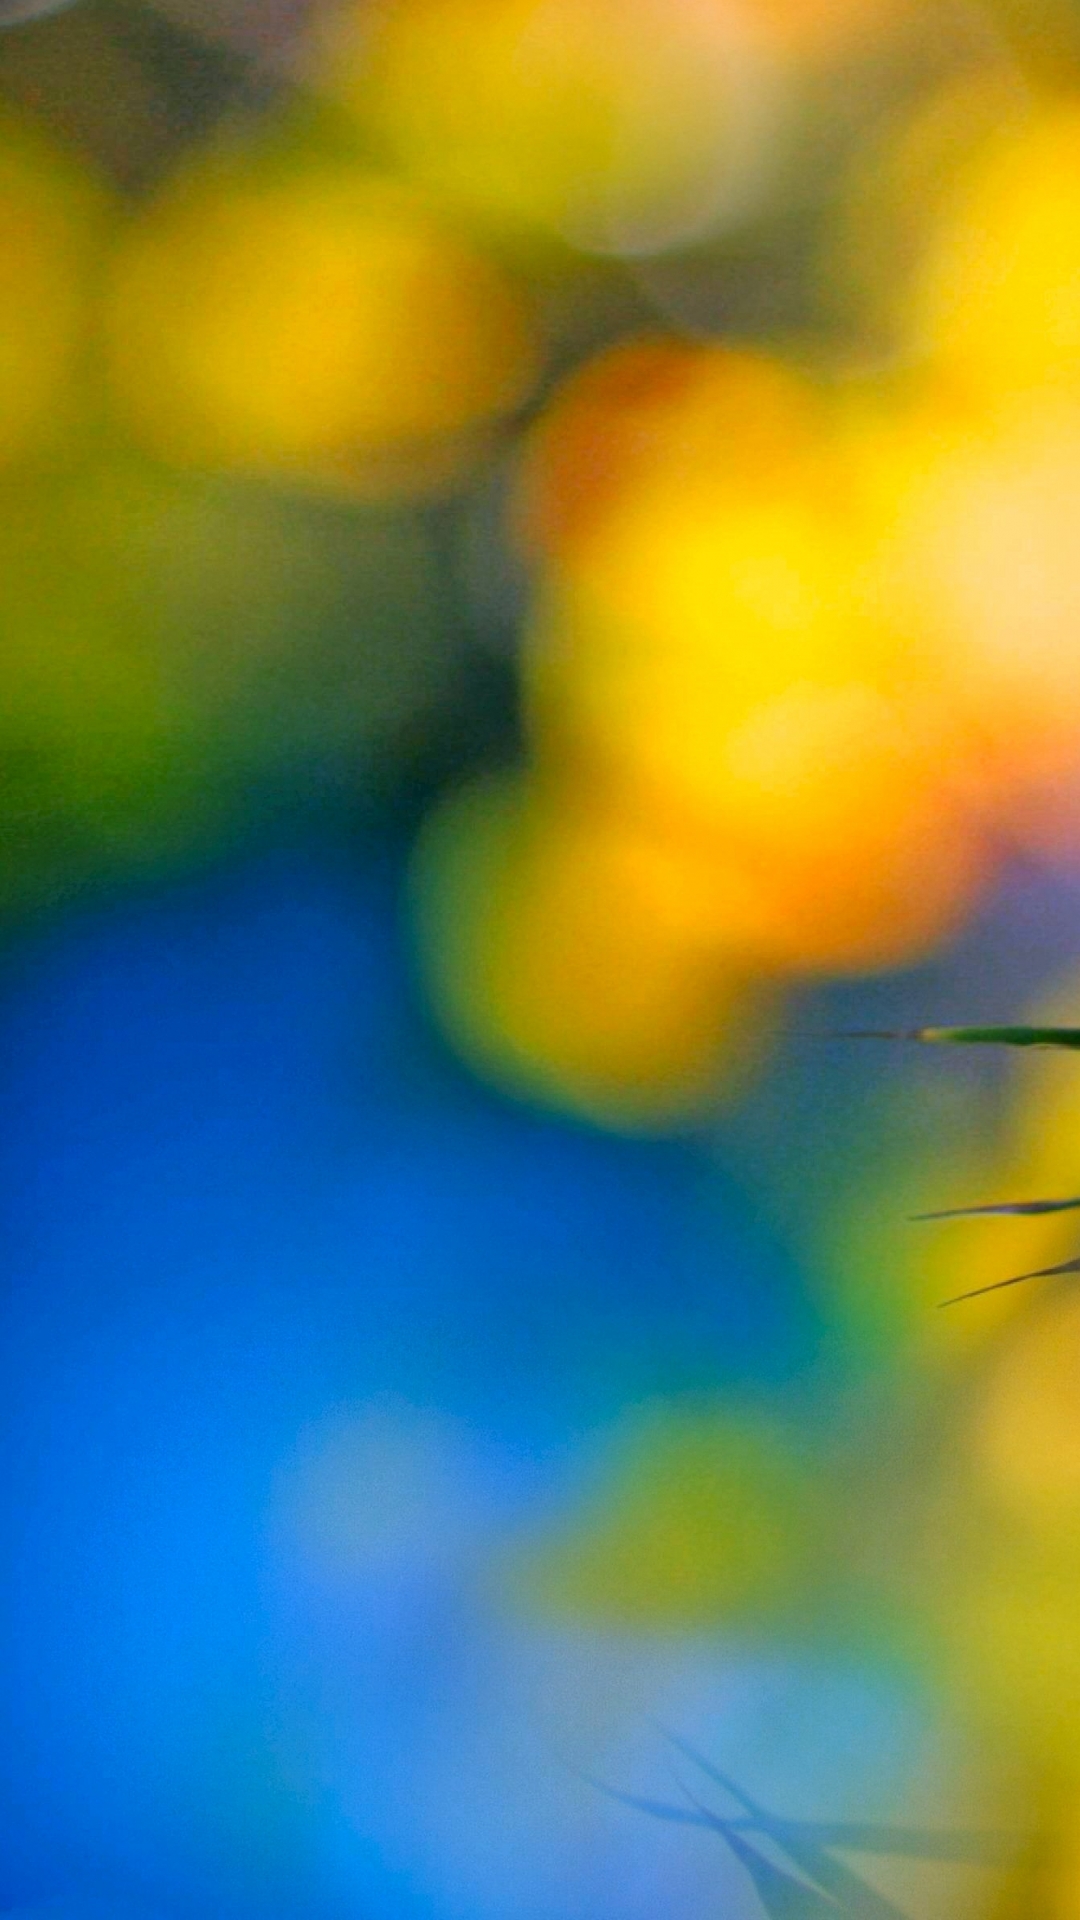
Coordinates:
[996,306]
[623,125]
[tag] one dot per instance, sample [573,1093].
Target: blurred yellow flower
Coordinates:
[714,643]
[1027,1434]
[664,412]
[898,187]
[995,307]
[575,957]
[313,322]
[613,418]
[980,555]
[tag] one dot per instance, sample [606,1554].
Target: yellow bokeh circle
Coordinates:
[311,320]
[995,307]
[576,959]
[715,640]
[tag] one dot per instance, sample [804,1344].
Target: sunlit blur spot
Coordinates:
[312,323]
[620,125]
[996,307]
[715,645]
[816,28]
[695,1518]
[574,959]
[689,610]
[721,574]
[1028,1435]
[985,543]
[1012,1618]
[51,214]
[657,411]
[892,198]
[818,765]
[893,869]
[613,416]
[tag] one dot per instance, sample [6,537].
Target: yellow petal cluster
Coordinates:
[715,683]
[811,642]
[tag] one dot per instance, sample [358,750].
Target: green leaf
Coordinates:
[974,1036]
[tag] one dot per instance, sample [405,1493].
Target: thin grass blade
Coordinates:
[1042,1273]
[1068,1037]
[1019,1207]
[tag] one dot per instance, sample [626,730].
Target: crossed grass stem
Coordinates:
[813,1883]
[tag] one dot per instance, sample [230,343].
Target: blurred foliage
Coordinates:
[681,403]
[699,1517]
[187,657]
